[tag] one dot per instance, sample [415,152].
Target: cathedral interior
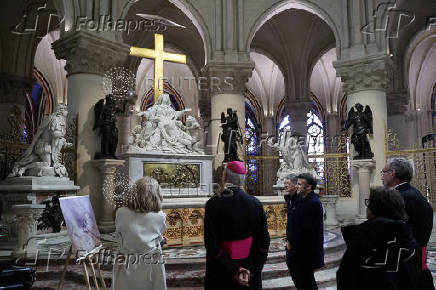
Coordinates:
[297,66]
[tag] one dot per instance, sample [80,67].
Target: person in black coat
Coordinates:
[381,252]
[397,174]
[305,235]
[291,197]
[235,235]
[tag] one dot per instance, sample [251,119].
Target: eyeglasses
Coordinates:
[366,201]
[385,171]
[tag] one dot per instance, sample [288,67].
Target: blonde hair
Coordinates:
[146,196]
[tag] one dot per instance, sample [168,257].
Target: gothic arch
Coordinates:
[199,23]
[254,104]
[283,5]
[419,69]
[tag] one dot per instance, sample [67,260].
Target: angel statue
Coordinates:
[106,123]
[231,135]
[42,157]
[361,120]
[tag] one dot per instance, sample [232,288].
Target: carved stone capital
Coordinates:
[298,109]
[87,52]
[363,165]
[26,218]
[13,89]
[107,167]
[228,78]
[363,74]
[397,102]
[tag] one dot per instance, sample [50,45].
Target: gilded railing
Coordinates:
[185,225]
[333,166]
[424,163]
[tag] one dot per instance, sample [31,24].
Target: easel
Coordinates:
[83,260]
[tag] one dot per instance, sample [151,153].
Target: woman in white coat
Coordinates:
[140,227]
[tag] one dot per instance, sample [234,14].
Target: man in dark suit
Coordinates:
[305,235]
[397,174]
[235,235]
[291,196]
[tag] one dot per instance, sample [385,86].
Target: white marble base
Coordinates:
[278,189]
[37,184]
[364,168]
[21,209]
[135,163]
[53,244]
[200,202]
[329,204]
[26,216]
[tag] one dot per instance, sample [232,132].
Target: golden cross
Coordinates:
[159,56]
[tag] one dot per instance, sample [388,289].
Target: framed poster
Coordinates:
[80,221]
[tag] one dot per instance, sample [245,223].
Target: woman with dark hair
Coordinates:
[381,252]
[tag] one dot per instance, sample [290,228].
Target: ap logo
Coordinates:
[37,19]
[387,13]
[388,258]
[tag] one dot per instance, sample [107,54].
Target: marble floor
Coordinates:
[185,268]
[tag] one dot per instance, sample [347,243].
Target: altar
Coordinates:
[185,218]
[179,175]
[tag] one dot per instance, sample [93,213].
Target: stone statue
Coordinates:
[192,127]
[361,120]
[231,135]
[162,131]
[106,123]
[294,157]
[42,157]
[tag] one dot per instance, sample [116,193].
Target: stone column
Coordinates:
[88,57]
[269,127]
[269,162]
[298,109]
[397,117]
[229,94]
[332,131]
[13,90]
[204,104]
[26,216]
[105,215]
[365,82]
[363,169]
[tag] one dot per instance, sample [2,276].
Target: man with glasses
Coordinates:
[397,174]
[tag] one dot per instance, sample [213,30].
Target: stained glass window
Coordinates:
[252,149]
[315,141]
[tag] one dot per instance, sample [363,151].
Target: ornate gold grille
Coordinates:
[424,163]
[333,166]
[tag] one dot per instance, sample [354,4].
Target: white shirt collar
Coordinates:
[395,187]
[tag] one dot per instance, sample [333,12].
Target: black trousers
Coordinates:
[303,277]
